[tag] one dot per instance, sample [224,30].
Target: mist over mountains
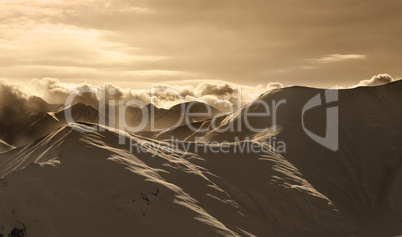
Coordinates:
[78,179]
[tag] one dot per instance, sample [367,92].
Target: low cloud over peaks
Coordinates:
[207,88]
[377,80]
[222,95]
[19,98]
[16,104]
[273,85]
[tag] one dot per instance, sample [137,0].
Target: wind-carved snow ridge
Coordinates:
[4,146]
[53,115]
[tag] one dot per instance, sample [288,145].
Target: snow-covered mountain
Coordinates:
[159,119]
[42,123]
[84,183]
[73,183]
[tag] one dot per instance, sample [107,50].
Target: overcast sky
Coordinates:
[137,43]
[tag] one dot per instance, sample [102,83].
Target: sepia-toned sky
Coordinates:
[136,43]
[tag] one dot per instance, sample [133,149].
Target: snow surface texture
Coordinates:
[4,146]
[74,183]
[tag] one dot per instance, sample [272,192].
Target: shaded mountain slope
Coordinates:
[187,132]
[162,118]
[355,176]
[41,124]
[73,183]
[41,121]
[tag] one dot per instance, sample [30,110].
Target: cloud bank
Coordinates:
[16,105]
[377,80]
[22,98]
[32,95]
